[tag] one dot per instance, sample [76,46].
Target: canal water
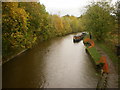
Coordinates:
[57,63]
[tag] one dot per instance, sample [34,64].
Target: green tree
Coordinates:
[66,25]
[98,20]
[15,33]
[58,25]
[38,19]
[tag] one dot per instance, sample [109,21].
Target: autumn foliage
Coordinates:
[26,23]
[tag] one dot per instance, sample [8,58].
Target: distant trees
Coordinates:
[75,23]
[66,25]
[99,20]
[58,24]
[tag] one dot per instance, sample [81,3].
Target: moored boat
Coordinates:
[100,61]
[78,38]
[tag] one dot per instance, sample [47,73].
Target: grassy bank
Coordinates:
[109,52]
[112,55]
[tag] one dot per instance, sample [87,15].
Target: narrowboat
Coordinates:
[78,38]
[100,61]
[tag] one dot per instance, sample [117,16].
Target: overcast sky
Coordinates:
[64,7]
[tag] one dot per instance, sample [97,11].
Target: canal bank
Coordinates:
[113,77]
[113,73]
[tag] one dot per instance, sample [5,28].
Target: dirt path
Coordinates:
[113,75]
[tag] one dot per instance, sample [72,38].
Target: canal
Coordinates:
[57,63]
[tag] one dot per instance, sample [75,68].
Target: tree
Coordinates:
[66,25]
[38,19]
[58,24]
[15,33]
[98,20]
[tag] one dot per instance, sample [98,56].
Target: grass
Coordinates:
[109,52]
[112,56]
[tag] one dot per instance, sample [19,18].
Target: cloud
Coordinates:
[63,7]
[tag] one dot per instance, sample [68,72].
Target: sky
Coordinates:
[64,7]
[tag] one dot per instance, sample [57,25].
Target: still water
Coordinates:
[57,63]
